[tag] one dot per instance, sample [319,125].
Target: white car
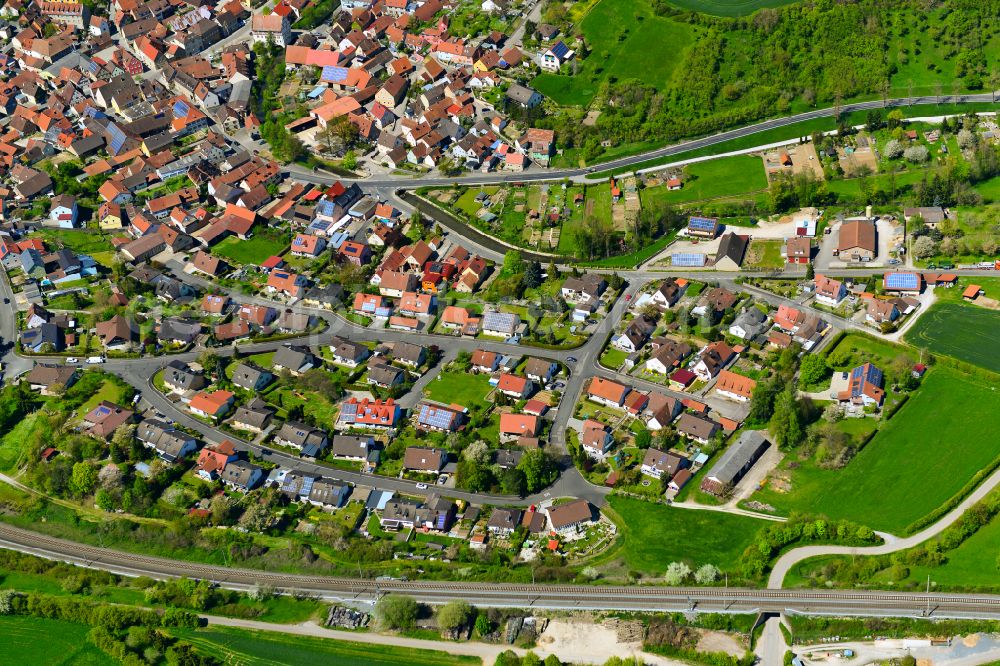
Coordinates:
[421,486]
[72,360]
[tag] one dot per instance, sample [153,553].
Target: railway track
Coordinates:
[634,597]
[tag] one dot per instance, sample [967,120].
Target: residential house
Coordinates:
[515,426]
[213,459]
[667,356]
[350,354]
[106,417]
[749,323]
[241,475]
[668,293]
[439,418]
[713,358]
[255,416]
[656,463]
[500,324]
[540,371]
[570,517]
[880,311]
[514,386]
[424,459]
[117,333]
[310,441]
[607,392]
[169,443]
[212,405]
[352,447]
[484,361]
[503,522]
[50,379]
[294,358]
[697,428]
[368,414]
[735,387]
[865,388]
[251,377]
[829,291]
[596,439]
[178,376]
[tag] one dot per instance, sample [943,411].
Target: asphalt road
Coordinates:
[624,162]
[566,597]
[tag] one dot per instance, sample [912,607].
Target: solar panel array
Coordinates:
[702,223]
[874,375]
[435,417]
[498,321]
[902,281]
[331,73]
[118,138]
[181,109]
[687,259]
[560,49]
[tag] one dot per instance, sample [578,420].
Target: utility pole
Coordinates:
[928,595]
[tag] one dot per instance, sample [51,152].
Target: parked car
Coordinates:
[72,360]
[94,360]
[421,486]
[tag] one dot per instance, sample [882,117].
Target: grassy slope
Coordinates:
[919,459]
[656,535]
[728,7]
[238,646]
[622,47]
[726,176]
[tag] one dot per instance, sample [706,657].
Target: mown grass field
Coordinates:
[459,387]
[966,332]
[728,7]
[253,251]
[243,647]
[723,177]
[42,642]
[654,535]
[627,41]
[923,456]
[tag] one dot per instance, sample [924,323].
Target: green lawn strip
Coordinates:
[886,486]
[242,646]
[17,443]
[35,640]
[78,240]
[654,535]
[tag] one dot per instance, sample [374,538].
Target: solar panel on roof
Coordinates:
[331,73]
[435,417]
[687,259]
[702,223]
[181,109]
[118,138]
[902,281]
[560,49]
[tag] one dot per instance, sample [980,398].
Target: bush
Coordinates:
[397,611]
[454,616]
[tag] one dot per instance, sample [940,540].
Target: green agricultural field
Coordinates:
[966,332]
[243,647]
[463,388]
[723,177]
[886,486]
[42,642]
[627,41]
[253,251]
[654,535]
[728,7]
